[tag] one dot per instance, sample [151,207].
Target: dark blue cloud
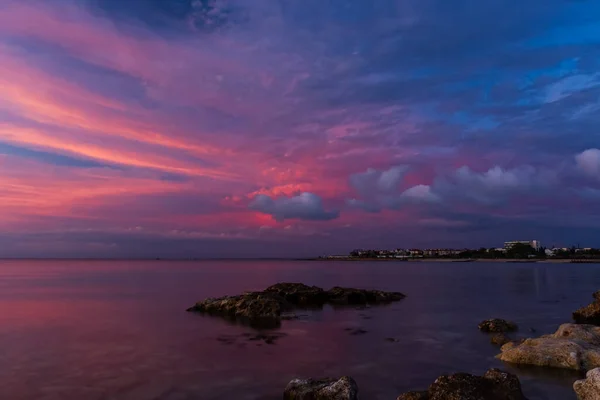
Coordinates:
[305,206]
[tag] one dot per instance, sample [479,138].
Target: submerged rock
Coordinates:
[500,339]
[356,331]
[589,388]
[350,296]
[493,385]
[300,294]
[344,388]
[572,346]
[497,325]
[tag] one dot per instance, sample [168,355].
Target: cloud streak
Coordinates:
[285,122]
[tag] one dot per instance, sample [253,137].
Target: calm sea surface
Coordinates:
[118,330]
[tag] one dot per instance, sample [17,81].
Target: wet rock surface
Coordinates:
[356,331]
[351,296]
[300,294]
[572,346]
[414,396]
[589,314]
[493,385]
[266,309]
[258,309]
[499,339]
[344,388]
[589,388]
[497,325]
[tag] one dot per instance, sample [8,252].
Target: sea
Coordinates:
[119,330]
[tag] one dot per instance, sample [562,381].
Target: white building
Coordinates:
[535,244]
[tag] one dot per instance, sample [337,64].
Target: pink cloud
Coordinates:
[589,162]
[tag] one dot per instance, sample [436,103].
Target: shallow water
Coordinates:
[117,329]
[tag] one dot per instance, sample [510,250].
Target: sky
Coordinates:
[288,128]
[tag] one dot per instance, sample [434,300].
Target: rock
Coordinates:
[323,389]
[499,339]
[256,308]
[589,388]
[505,386]
[268,308]
[494,385]
[573,346]
[497,325]
[351,296]
[356,331]
[589,314]
[587,333]
[414,396]
[300,294]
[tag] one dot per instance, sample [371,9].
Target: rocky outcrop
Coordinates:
[300,294]
[267,308]
[494,385]
[351,296]
[573,346]
[589,314]
[497,325]
[255,308]
[323,389]
[589,388]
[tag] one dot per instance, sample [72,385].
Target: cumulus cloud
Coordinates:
[420,194]
[381,189]
[305,206]
[493,186]
[464,185]
[589,162]
[373,180]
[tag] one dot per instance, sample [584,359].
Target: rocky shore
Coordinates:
[267,308]
[493,385]
[574,346]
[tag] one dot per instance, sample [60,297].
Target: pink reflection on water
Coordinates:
[118,330]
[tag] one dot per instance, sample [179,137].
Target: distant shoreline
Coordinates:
[462,260]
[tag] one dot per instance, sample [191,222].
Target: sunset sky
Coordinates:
[236,128]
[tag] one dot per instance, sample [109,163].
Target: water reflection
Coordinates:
[118,330]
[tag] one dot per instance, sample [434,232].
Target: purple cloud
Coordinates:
[589,162]
[491,187]
[420,194]
[379,181]
[305,206]
[495,185]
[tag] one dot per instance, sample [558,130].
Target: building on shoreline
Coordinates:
[535,244]
[525,249]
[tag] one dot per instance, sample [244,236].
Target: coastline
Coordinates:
[460,260]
